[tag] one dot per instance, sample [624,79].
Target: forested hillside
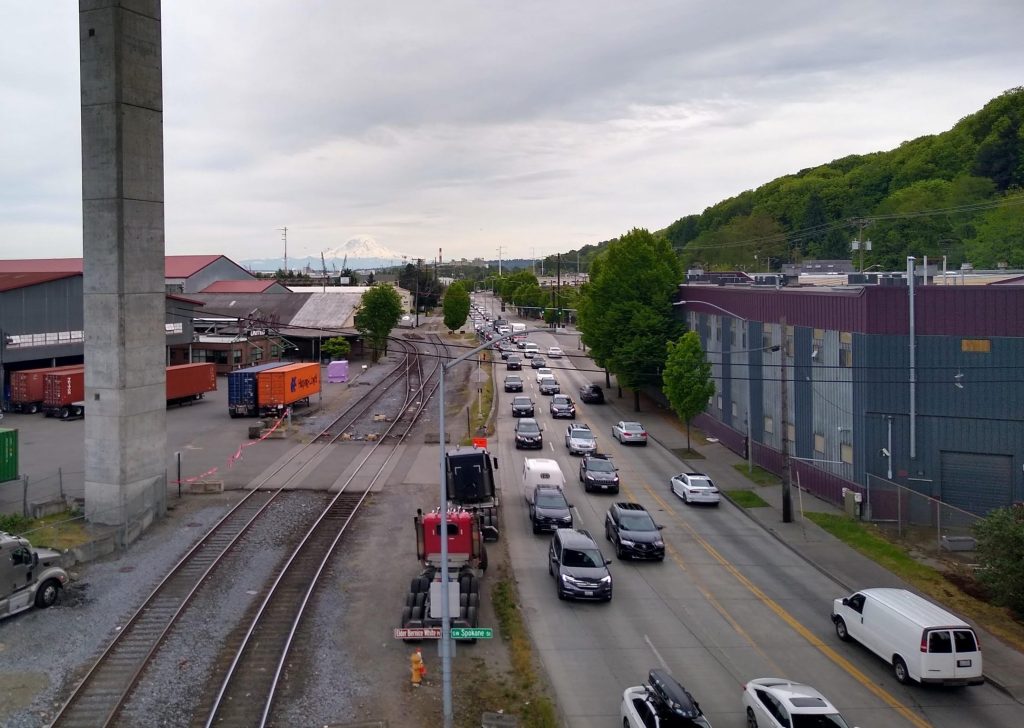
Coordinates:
[968,180]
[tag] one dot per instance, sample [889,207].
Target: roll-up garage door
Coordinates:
[976,483]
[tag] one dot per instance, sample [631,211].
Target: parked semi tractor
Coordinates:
[28,576]
[243,389]
[470,482]
[466,556]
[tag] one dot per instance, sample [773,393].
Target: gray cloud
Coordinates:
[470,125]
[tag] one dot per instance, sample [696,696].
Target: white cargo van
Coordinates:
[541,471]
[921,640]
[518,328]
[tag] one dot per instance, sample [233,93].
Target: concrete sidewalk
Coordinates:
[1004,665]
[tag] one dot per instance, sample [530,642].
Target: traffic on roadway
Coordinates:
[680,593]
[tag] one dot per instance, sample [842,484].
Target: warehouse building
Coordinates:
[921,386]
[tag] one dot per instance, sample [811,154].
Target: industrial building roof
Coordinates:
[12,281]
[257,285]
[175,266]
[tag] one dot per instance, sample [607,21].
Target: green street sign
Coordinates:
[472,633]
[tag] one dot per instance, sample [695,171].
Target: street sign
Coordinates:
[472,633]
[417,633]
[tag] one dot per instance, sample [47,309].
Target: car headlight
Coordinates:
[606,579]
[627,542]
[566,579]
[659,543]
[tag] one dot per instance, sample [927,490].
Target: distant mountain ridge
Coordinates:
[358,253]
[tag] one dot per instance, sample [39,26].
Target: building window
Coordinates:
[846,453]
[256,354]
[769,426]
[845,349]
[236,355]
[791,432]
[819,443]
[719,404]
[735,412]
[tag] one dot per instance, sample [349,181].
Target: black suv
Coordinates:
[597,472]
[591,394]
[633,532]
[528,434]
[513,383]
[549,510]
[563,406]
[579,568]
[522,406]
[537,362]
[514,363]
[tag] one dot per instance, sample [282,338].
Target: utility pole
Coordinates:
[787,502]
[417,306]
[284,236]
[499,261]
[558,289]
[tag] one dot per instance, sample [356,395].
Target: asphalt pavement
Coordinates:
[850,570]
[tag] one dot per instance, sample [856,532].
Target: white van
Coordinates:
[518,328]
[541,471]
[921,640]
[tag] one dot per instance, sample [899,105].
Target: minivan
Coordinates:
[920,640]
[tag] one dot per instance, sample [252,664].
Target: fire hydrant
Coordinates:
[419,670]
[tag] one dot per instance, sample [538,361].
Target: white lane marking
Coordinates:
[656,653]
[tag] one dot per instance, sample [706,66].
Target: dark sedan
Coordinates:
[522,407]
[528,434]
[563,406]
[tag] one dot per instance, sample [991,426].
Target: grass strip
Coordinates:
[747,499]
[58,531]
[868,540]
[760,476]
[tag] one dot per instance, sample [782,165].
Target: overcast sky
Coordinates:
[534,126]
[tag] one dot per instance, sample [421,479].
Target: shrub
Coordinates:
[1000,537]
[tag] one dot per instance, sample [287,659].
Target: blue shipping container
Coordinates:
[242,389]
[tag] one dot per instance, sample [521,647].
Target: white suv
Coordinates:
[555,352]
[775,702]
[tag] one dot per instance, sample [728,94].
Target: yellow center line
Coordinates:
[800,629]
[678,558]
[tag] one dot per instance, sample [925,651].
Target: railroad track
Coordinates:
[103,692]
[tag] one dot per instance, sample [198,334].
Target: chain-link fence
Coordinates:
[917,519]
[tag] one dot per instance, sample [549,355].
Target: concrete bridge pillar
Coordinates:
[123,234]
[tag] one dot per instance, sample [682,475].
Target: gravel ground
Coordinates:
[345,665]
[53,645]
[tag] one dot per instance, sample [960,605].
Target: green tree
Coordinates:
[625,311]
[336,348]
[456,305]
[1000,543]
[380,310]
[687,378]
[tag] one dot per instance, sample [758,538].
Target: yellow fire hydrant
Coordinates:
[419,670]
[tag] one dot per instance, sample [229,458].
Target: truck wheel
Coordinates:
[899,670]
[471,616]
[417,613]
[464,582]
[47,594]
[410,599]
[474,585]
[464,599]
[841,630]
[483,558]
[474,600]
[33,408]
[420,600]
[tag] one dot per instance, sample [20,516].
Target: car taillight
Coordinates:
[924,642]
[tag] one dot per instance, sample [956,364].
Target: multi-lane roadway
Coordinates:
[728,604]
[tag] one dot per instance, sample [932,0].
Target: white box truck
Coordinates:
[920,640]
[541,471]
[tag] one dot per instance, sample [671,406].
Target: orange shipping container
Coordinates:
[286,385]
[62,388]
[189,381]
[27,386]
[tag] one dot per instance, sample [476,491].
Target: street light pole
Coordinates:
[446,619]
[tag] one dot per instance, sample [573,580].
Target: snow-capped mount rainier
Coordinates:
[362,252]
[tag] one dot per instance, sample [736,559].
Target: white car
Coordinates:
[555,352]
[772,702]
[544,372]
[629,432]
[695,488]
[661,703]
[529,349]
